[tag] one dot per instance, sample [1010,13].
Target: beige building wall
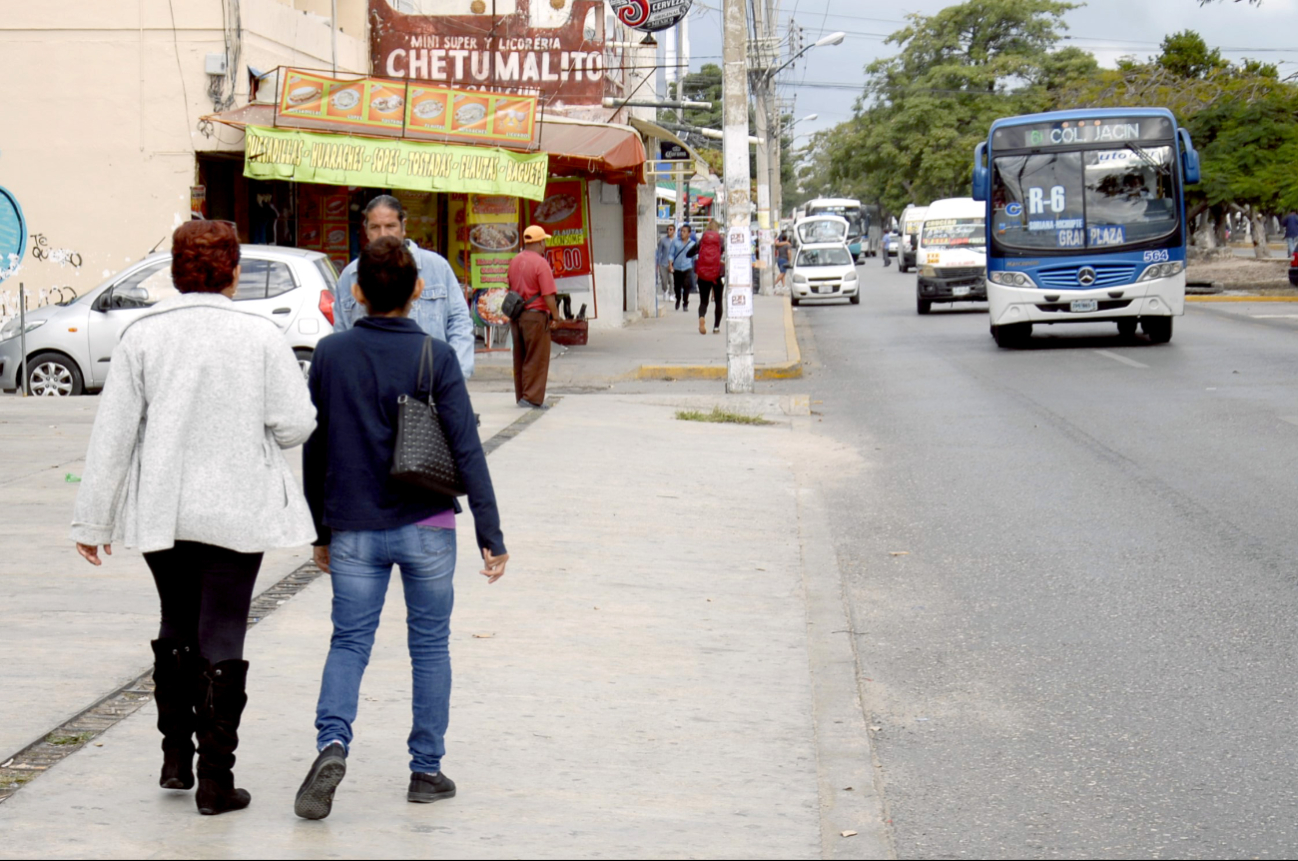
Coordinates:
[101,123]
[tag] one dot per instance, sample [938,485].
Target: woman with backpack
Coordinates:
[710,269]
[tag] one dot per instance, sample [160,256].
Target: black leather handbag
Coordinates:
[422,456]
[513,306]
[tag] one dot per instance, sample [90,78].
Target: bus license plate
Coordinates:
[1082,305]
[960,291]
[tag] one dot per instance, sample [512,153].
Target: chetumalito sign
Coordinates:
[650,15]
[510,46]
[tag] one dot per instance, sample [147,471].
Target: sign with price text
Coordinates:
[565,216]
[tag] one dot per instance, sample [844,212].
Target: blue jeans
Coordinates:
[360,568]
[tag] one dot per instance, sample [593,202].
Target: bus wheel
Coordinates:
[923,306]
[1127,327]
[1158,329]
[1012,335]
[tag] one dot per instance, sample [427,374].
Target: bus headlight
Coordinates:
[1161,270]
[1011,279]
[928,271]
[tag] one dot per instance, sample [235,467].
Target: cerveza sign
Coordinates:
[342,160]
[1073,133]
[650,15]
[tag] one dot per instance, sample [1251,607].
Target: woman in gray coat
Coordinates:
[185,463]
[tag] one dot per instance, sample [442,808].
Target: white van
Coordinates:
[952,253]
[912,217]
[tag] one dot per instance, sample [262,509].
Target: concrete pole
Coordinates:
[777,123]
[762,98]
[22,339]
[739,261]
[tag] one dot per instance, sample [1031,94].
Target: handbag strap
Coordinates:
[426,358]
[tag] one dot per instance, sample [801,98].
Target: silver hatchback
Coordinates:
[69,347]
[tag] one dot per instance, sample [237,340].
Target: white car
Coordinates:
[69,346]
[824,271]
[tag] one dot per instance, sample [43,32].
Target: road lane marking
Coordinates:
[1274,316]
[1123,359]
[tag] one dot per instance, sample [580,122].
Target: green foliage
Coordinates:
[915,127]
[1186,55]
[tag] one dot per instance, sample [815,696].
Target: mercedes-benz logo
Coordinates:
[1086,276]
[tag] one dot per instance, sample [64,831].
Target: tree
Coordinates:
[923,111]
[1187,55]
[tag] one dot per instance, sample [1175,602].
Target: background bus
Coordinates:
[1085,220]
[844,207]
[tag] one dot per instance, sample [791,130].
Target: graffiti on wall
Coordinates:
[42,251]
[35,299]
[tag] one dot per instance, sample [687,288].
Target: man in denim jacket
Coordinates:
[440,310]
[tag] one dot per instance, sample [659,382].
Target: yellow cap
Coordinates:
[535,233]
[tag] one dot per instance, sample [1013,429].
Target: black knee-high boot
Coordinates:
[218,736]
[178,687]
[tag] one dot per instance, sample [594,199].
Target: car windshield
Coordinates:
[951,232]
[855,223]
[824,257]
[1087,199]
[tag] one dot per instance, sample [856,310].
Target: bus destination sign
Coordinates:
[1072,133]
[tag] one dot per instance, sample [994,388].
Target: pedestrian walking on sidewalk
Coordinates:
[1291,231]
[782,248]
[440,310]
[367,521]
[682,266]
[202,488]
[663,259]
[531,277]
[710,266]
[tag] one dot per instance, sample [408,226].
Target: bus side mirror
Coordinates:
[981,176]
[1189,159]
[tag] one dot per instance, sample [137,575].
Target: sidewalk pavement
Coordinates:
[663,672]
[668,347]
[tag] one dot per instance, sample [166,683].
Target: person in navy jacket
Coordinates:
[367,522]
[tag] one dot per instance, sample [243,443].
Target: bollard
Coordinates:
[22,339]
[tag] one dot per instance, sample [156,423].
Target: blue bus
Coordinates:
[1085,220]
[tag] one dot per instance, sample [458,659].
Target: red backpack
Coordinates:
[708,266]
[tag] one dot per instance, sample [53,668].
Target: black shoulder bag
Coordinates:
[422,456]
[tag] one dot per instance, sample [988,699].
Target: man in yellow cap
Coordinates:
[531,277]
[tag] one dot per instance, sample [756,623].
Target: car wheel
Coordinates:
[1158,329]
[303,356]
[901,267]
[923,306]
[794,300]
[855,298]
[1127,327]
[50,375]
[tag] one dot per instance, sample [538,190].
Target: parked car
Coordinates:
[825,271]
[69,346]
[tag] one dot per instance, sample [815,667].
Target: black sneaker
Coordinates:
[316,797]
[426,788]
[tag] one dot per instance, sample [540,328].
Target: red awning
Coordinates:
[612,153]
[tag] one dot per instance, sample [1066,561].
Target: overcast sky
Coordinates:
[1106,28]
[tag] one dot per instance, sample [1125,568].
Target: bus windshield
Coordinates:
[953,232]
[855,224]
[1084,199]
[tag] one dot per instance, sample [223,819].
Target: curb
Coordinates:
[790,370]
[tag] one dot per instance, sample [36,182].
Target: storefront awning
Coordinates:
[613,153]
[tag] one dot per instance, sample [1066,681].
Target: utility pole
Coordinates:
[739,260]
[761,65]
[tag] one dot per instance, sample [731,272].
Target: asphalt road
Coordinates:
[1084,645]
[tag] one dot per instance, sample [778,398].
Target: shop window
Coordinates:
[263,279]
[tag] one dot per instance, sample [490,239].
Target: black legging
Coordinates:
[713,289]
[684,279]
[205,592]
